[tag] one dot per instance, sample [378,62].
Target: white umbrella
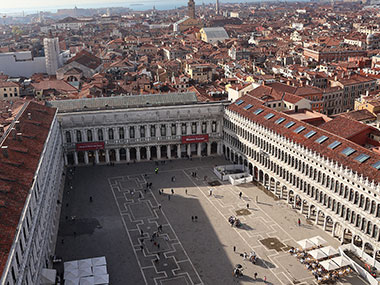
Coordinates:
[341,261]
[71,274]
[87,281]
[329,265]
[97,261]
[72,282]
[99,270]
[317,240]
[84,263]
[70,264]
[317,254]
[101,279]
[329,250]
[305,243]
[83,272]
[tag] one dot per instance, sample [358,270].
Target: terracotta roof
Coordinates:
[344,127]
[366,169]
[18,169]
[87,59]
[360,115]
[59,85]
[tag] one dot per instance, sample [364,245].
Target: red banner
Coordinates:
[195,139]
[89,146]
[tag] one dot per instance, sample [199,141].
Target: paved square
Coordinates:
[122,222]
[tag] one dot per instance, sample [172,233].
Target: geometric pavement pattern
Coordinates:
[162,259]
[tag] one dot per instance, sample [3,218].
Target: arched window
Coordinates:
[79,136]
[89,135]
[110,134]
[121,133]
[68,137]
[100,135]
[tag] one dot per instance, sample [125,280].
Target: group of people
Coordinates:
[234,221]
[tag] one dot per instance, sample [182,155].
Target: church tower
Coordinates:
[217,8]
[191,9]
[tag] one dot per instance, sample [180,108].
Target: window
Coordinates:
[321,139]
[163,130]
[249,106]
[100,134]
[258,111]
[110,134]
[193,128]
[89,135]
[299,129]
[204,127]
[132,132]
[334,145]
[289,124]
[376,165]
[183,128]
[279,121]
[310,134]
[68,137]
[79,136]
[348,151]
[239,102]
[362,157]
[269,116]
[153,131]
[174,129]
[213,127]
[121,133]
[142,131]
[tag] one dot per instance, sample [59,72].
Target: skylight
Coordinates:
[258,111]
[376,165]
[279,121]
[239,102]
[334,145]
[289,124]
[321,139]
[362,157]
[299,129]
[310,134]
[249,106]
[348,151]
[269,116]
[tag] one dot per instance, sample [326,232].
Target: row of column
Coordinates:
[138,153]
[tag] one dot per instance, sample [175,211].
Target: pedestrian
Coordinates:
[156,260]
[255,275]
[172,191]
[265,279]
[240,194]
[196,218]
[205,178]
[186,191]
[141,247]
[234,248]
[159,191]
[210,192]
[192,218]
[158,245]
[159,207]
[299,222]
[62,241]
[247,206]
[67,204]
[145,190]
[257,199]
[141,233]
[140,195]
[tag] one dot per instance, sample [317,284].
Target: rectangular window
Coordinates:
[258,111]
[204,127]
[348,151]
[310,134]
[213,127]
[269,116]
[279,121]
[299,129]
[362,158]
[183,127]
[334,145]
[163,130]
[121,133]
[132,132]
[152,131]
[239,102]
[193,128]
[174,129]
[289,124]
[249,106]
[321,139]
[376,165]
[142,131]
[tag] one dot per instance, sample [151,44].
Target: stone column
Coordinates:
[189,150]
[168,130]
[169,151]
[208,148]
[316,217]
[86,157]
[126,133]
[302,206]
[309,212]
[325,223]
[75,158]
[199,125]
[117,151]
[128,154]
[138,157]
[188,128]
[148,152]
[179,129]
[147,131]
[199,149]
[158,152]
[96,156]
[208,127]
[179,150]
[219,149]
[137,132]
[107,156]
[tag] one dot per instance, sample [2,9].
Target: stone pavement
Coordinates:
[190,252]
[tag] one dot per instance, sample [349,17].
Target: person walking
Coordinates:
[210,192]
[186,191]
[172,191]
[255,275]
[247,206]
[299,222]
[265,279]
[192,218]
[196,218]
[90,199]
[234,248]
[240,194]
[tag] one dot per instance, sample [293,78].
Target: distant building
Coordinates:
[191,9]
[9,90]
[51,47]
[213,35]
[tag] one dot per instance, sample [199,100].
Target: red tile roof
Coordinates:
[364,168]
[18,169]
[344,127]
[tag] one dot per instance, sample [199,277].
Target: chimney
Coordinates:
[17,125]
[19,137]
[29,116]
[4,150]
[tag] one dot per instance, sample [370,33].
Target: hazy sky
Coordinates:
[20,4]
